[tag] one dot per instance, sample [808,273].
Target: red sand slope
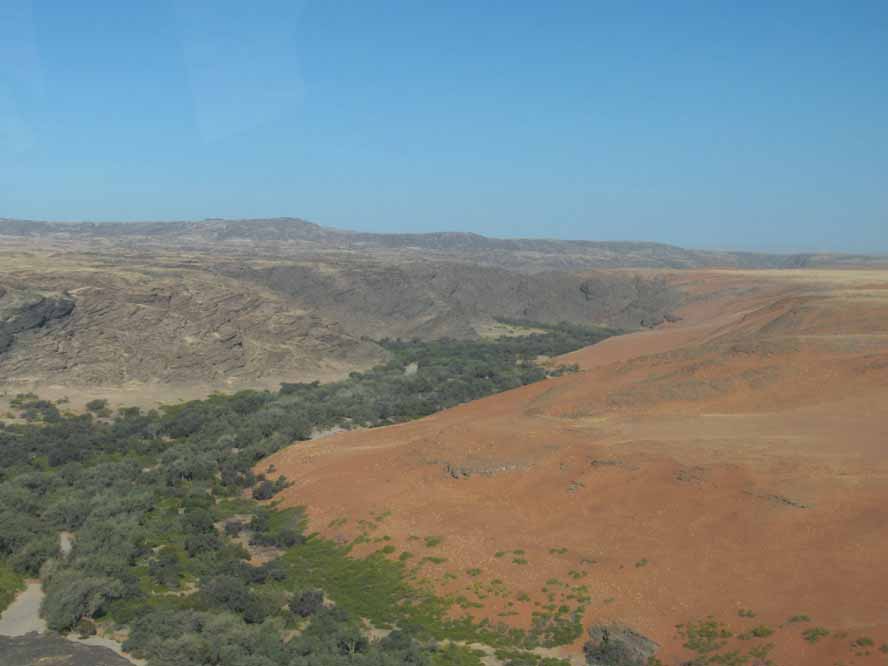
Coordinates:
[735,460]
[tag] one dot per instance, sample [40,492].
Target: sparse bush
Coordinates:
[233,528]
[761,631]
[99,407]
[226,592]
[165,568]
[814,634]
[28,560]
[196,544]
[263,491]
[705,636]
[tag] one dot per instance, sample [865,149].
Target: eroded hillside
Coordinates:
[163,316]
[159,328]
[437,299]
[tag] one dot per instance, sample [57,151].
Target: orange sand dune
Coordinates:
[735,460]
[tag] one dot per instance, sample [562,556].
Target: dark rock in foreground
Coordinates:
[51,650]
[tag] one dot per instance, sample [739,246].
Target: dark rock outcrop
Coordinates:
[618,645]
[23,310]
[53,650]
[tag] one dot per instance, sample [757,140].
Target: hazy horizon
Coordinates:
[757,128]
[789,249]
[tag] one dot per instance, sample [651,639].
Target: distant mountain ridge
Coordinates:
[530,255]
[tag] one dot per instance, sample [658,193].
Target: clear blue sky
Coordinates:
[708,124]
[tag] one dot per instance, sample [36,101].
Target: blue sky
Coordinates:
[757,125]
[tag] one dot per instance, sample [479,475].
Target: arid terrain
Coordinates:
[713,478]
[153,328]
[731,464]
[149,312]
[443,334]
[143,313]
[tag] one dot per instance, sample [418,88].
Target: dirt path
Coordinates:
[66,543]
[23,615]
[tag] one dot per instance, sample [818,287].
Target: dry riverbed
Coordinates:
[22,618]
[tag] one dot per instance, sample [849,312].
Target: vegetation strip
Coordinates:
[166,541]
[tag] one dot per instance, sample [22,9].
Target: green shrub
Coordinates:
[814,634]
[456,655]
[28,560]
[85,628]
[307,603]
[165,569]
[761,631]
[70,597]
[704,636]
[263,491]
[99,407]
[10,584]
